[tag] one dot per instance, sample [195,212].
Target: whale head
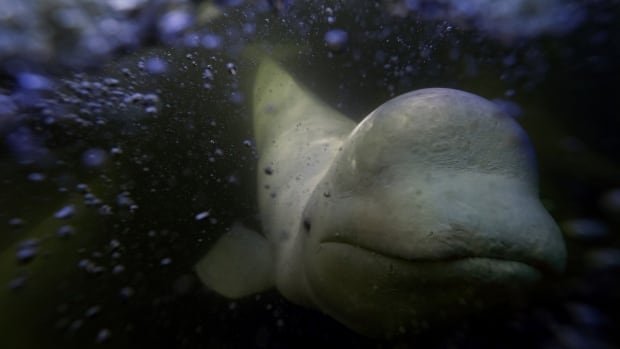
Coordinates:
[430,209]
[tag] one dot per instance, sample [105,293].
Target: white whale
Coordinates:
[426,210]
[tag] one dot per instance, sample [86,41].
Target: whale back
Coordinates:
[297,137]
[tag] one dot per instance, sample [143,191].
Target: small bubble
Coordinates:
[90,267]
[249,28]
[155,65]
[65,212]
[91,200]
[94,157]
[211,41]
[103,335]
[92,311]
[124,200]
[586,315]
[111,82]
[174,22]
[230,3]
[150,110]
[604,259]
[150,99]
[509,107]
[202,215]
[27,250]
[16,222]
[586,229]
[18,282]
[118,269]
[32,81]
[236,97]
[65,231]
[114,244]
[207,74]
[105,210]
[611,201]
[134,98]
[232,69]
[166,261]
[126,292]
[36,177]
[76,325]
[82,188]
[336,39]
[268,170]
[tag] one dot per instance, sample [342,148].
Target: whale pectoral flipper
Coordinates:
[239,264]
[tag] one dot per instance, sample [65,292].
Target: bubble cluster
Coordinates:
[506,20]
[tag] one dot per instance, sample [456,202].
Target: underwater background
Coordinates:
[127,149]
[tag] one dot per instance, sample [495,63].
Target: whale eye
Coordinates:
[307,225]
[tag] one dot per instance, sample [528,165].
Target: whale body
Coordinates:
[426,210]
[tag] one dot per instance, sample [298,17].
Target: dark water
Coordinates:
[119,167]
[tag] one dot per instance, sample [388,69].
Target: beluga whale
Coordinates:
[425,211]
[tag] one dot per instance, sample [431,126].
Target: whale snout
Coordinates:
[466,239]
[459,216]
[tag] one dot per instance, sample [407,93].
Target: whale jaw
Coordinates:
[382,296]
[382,272]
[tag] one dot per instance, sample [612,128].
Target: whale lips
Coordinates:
[445,222]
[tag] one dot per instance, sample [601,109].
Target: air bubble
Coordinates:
[36,177]
[207,74]
[211,41]
[18,282]
[27,250]
[202,215]
[232,69]
[16,222]
[336,39]
[92,311]
[155,65]
[103,335]
[174,22]
[65,212]
[65,231]
[126,292]
[94,157]
[586,229]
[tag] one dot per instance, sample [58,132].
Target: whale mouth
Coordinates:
[483,266]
